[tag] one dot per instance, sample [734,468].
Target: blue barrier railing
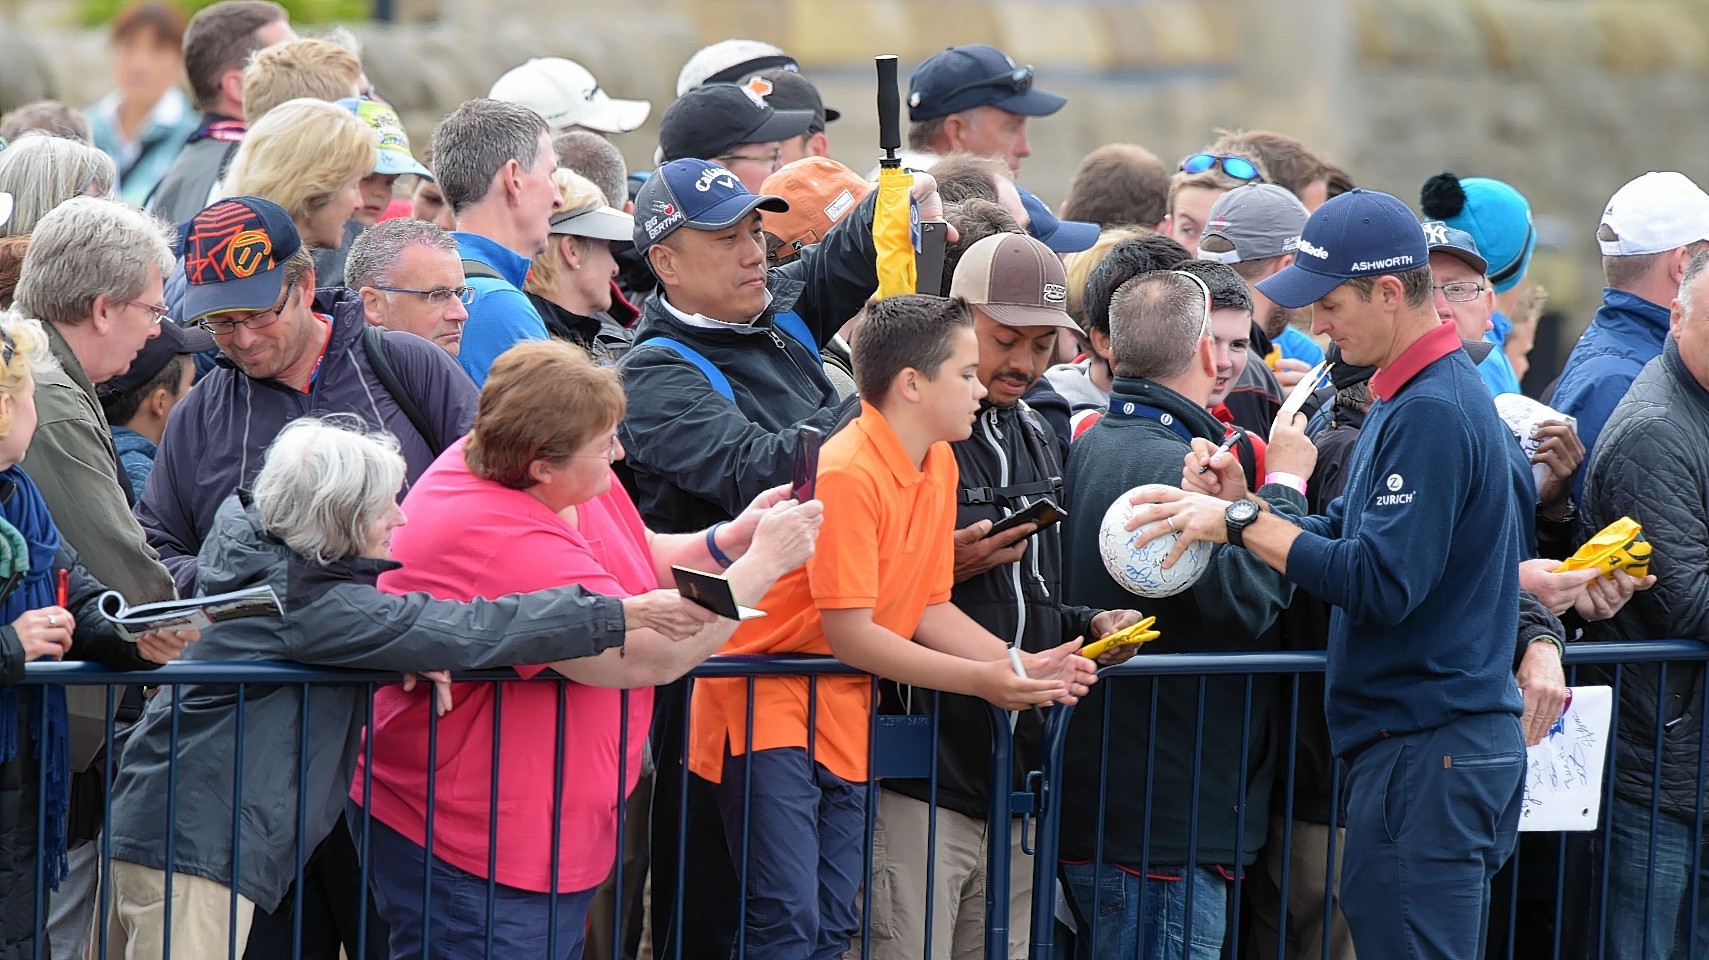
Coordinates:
[1037,803]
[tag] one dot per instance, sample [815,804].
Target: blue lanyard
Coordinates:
[1134,408]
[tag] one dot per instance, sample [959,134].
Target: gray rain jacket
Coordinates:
[335,617]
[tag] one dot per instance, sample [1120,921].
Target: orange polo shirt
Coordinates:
[886,544]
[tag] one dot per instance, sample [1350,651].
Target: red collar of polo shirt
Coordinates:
[1426,350]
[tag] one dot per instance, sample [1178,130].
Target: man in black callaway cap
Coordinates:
[1420,558]
[974,99]
[732,126]
[724,373]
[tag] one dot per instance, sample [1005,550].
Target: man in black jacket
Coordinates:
[1650,464]
[1016,287]
[1134,777]
[723,374]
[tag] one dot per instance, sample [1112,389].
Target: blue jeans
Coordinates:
[1659,928]
[454,927]
[1431,817]
[1140,918]
[805,852]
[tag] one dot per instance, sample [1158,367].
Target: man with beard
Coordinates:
[1255,229]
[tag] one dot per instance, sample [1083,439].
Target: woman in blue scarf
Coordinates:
[33,742]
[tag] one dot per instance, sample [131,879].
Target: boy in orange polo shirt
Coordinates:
[875,594]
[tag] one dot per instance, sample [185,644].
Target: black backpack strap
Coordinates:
[475,268]
[374,345]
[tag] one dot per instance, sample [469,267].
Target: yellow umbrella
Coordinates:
[893,232]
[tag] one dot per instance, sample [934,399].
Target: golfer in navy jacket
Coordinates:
[1420,559]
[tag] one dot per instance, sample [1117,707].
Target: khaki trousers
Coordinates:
[1308,873]
[957,892]
[201,916]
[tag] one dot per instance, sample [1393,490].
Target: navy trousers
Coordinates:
[1431,817]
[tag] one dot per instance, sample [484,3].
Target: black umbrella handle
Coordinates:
[889,109]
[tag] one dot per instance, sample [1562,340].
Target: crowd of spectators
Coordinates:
[488,404]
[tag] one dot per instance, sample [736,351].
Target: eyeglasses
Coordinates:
[1460,292]
[609,456]
[438,296]
[1018,80]
[258,321]
[158,314]
[773,159]
[8,349]
[1239,168]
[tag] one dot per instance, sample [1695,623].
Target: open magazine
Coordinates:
[195,613]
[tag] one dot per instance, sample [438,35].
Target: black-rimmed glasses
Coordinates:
[257,321]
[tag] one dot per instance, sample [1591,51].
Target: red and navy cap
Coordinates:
[234,257]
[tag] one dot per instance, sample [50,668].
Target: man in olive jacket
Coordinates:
[94,280]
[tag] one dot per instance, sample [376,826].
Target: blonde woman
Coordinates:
[33,732]
[308,156]
[571,282]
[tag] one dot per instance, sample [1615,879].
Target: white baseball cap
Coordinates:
[730,61]
[1652,214]
[563,92]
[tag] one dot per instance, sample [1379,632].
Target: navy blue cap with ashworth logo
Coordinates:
[1361,233]
[975,75]
[234,257]
[697,194]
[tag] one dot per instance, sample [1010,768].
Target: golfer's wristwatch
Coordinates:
[1239,516]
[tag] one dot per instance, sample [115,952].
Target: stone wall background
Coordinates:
[1567,99]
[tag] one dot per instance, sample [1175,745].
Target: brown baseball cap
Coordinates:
[820,192]
[1015,279]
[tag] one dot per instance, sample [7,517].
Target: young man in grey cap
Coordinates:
[732,126]
[974,99]
[1017,289]
[1255,229]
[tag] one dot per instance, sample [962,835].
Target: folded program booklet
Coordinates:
[712,592]
[195,613]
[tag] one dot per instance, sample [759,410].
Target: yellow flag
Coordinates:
[893,233]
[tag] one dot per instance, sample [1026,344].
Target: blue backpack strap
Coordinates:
[791,323]
[720,383]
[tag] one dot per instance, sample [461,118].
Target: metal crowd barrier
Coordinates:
[1551,863]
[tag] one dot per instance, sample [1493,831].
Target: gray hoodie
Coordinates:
[335,617]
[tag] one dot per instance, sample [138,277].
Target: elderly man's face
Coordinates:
[424,299]
[996,133]
[129,325]
[1690,320]
[1472,318]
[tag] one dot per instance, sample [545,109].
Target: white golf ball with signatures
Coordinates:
[1140,569]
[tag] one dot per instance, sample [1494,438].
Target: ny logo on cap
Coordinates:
[1436,233]
[757,89]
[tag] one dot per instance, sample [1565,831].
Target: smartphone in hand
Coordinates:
[807,443]
[1043,512]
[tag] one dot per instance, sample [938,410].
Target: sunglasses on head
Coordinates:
[1239,168]
[1017,81]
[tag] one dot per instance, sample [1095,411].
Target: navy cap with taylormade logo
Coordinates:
[697,194]
[1361,233]
[234,257]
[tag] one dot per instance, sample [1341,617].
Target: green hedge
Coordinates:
[97,13]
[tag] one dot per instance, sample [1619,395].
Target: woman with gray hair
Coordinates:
[42,172]
[317,529]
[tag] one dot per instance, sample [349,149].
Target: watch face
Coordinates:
[1243,511]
